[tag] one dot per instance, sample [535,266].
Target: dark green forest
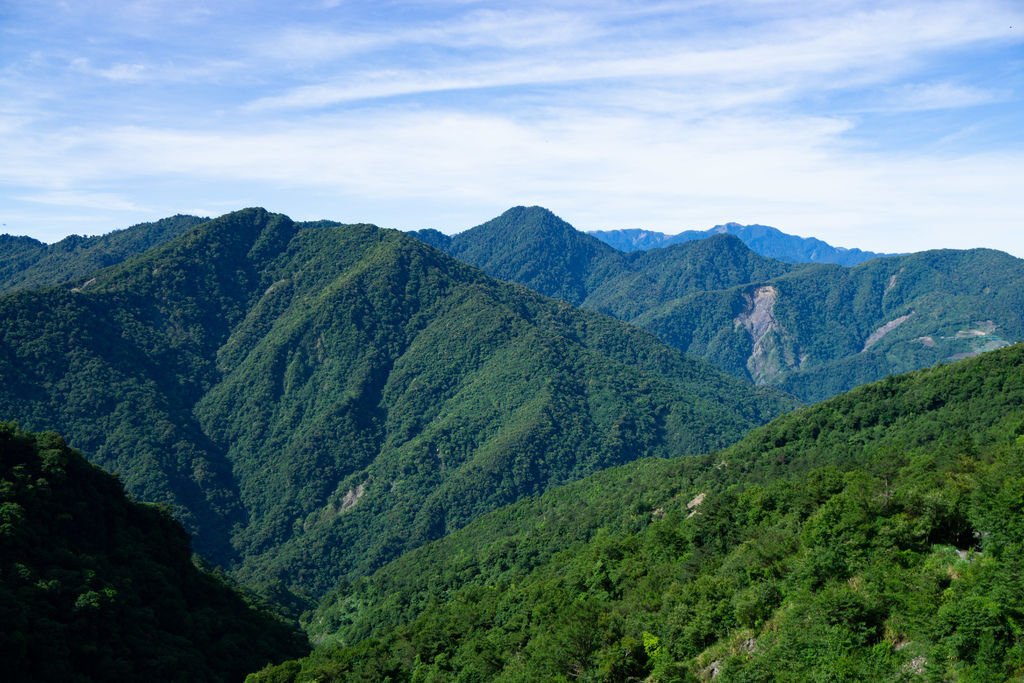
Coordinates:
[94,587]
[877,536]
[27,263]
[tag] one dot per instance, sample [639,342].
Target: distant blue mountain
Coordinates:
[761,239]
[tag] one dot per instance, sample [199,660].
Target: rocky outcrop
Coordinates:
[885,329]
[769,358]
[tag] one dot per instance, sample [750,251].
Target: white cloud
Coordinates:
[667,116]
[599,171]
[495,30]
[83,200]
[861,47]
[928,96]
[155,72]
[116,72]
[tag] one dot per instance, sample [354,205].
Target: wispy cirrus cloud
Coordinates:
[490,29]
[647,171]
[822,52]
[107,201]
[945,95]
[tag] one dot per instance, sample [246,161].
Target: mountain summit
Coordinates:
[536,248]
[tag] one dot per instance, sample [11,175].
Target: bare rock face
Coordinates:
[770,357]
[352,497]
[885,329]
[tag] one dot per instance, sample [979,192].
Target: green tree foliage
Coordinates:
[94,587]
[26,263]
[834,328]
[875,536]
[535,248]
[314,399]
[812,330]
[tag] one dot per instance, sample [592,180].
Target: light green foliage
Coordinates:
[876,536]
[27,263]
[940,305]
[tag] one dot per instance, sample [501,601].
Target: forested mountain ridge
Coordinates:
[874,536]
[821,330]
[26,262]
[762,239]
[813,329]
[314,400]
[117,363]
[537,249]
[94,587]
[534,247]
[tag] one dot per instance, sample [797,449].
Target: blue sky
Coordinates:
[891,126]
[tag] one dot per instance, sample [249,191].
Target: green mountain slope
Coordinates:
[94,587]
[819,331]
[533,247]
[813,330]
[662,276]
[875,536]
[314,400]
[25,262]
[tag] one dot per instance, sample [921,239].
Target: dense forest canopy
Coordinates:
[94,587]
[876,536]
[812,329]
[443,476]
[315,399]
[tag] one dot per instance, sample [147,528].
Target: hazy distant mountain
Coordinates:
[536,248]
[814,329]
[762,239]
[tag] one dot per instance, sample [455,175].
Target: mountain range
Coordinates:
[95,587]
[815,330]
[314,400]
[515,453]
[761,239]
[26,262]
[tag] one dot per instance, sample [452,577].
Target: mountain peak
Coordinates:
[523,219]
[534,247]
[533,210]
